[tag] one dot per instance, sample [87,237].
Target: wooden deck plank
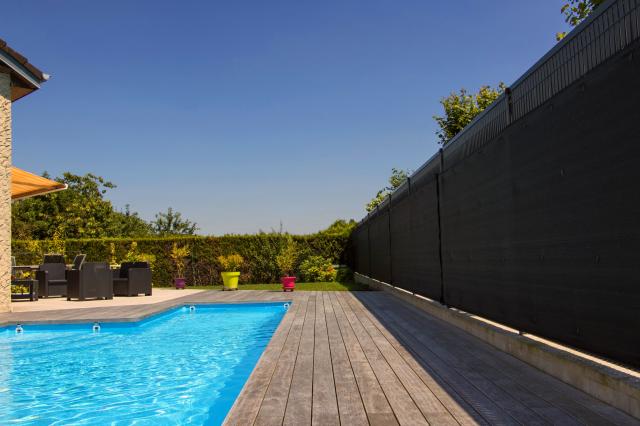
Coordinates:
[350,404]
[468,346]
[431,407]
[464,346]
[299,404]
[455,404]
[325,405]
[510,403]
[401,402]
[562,403]
[480,402]
[272,408]
[377,407]
[247,405]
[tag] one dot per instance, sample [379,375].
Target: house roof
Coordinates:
[25,77]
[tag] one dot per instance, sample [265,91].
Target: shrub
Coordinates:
[288,256]
[317,268]
[259,251]
[230,263]
[344,274]
[134,255]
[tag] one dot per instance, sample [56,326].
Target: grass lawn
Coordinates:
[332,286]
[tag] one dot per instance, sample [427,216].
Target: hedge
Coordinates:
[259,252]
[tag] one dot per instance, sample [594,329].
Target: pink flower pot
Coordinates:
[288,283]
[180,283]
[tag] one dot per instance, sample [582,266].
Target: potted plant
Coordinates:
[179,258]
[286,262]
[230,265]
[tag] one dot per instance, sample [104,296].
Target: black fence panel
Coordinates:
[360,249]
[425,249]
[531,215]
[541,229]
[401,243]
[379,246]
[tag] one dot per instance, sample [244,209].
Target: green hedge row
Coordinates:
[259,252]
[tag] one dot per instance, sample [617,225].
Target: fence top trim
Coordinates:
[575,32]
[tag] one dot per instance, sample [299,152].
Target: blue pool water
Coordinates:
[179,367]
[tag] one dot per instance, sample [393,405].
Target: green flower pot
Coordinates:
[230,280]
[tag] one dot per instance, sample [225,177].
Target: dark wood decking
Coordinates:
[369,358]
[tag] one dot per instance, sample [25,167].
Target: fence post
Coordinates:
[509,101]
[368,246]
[390,250]
[438,204]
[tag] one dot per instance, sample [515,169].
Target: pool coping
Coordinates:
[104,314]
[134,322]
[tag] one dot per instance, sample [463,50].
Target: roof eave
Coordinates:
[24,80]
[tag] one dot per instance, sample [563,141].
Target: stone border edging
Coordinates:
[614,387]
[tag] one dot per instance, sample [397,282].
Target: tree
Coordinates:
[576,11]
[128,223]
[461,107]
[171,223]
[396,179]
[81,211]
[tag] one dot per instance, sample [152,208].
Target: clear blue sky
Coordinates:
[242,114]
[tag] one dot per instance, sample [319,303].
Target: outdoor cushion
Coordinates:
[93,280]
[52,279]
[132,279]
[53,258]
[124,268]
[55,271]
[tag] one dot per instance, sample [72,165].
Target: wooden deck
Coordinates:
[368,358]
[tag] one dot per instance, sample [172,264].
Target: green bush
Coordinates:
[259,251]
[344,274]
[317,268]
[134,255]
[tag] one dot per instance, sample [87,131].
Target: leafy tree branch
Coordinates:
[576,11]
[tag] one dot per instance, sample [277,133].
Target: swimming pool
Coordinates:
[184,366]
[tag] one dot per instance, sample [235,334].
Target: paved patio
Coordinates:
[369,358]
[56,303]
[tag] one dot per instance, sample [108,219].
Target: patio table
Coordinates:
[32,285]
[28,268]
[33,268]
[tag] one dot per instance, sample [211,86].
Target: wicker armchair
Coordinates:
[52,280]
[131,279]
[93,280]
